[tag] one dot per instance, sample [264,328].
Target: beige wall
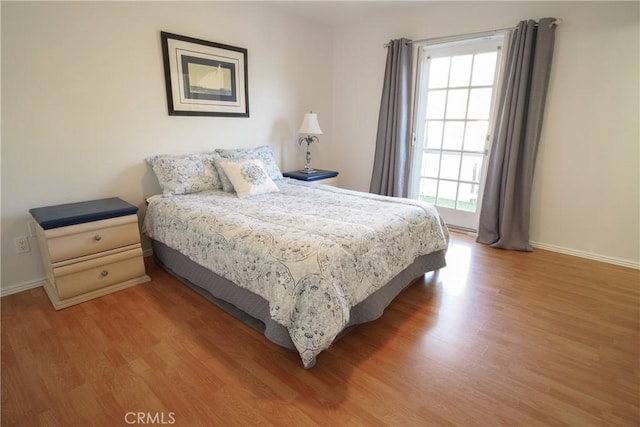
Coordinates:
[83,100]
[586,186]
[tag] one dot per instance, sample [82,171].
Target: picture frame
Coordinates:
[204,78]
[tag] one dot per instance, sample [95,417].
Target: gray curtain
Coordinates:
[504,218]
[391,163]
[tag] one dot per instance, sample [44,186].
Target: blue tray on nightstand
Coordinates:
[313,176]
[81,212]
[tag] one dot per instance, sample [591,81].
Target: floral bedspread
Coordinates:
[312,251]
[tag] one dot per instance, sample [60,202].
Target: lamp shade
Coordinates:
[310,125]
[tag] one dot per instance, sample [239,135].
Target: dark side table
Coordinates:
[321,176]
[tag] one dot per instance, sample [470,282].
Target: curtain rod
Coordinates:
[475,33]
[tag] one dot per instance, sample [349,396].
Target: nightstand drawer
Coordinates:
[86,276]
[333,182]
[74,241]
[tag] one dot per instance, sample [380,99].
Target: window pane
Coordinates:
[475,135]
[484,66]
[435,104]
[471,167]
[467,197]
[453,132]
[433,134]
[428,188]
[479,103]
[457,104]
[438,72]
[449,166]
[430,164]
[447,194]
[460,71]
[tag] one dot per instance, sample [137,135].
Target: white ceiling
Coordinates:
[340,13]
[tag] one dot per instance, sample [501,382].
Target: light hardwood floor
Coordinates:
[497,337]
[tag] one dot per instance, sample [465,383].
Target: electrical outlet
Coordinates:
[22,244]
[33,228]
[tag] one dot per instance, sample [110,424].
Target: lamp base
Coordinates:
[310,170]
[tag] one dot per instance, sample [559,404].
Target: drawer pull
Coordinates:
[97,237]
[104,273]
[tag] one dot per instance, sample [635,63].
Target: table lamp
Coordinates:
[309,128]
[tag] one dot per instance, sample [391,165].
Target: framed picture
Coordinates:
[204,78]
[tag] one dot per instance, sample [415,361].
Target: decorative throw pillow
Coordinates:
[249,178]
[184,174]
[226,184]
[263,153]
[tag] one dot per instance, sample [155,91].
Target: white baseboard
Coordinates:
[19,287]
[567,251]
[588,255]
[24,286]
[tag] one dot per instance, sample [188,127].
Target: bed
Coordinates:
[301,262]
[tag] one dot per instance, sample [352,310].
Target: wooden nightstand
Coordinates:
[320,176]
[89,249]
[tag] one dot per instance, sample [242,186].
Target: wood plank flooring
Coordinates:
[495,338]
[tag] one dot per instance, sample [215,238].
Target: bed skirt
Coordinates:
[253,310]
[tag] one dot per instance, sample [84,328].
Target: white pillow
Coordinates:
[249,178]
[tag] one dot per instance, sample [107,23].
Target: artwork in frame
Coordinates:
[204,78]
